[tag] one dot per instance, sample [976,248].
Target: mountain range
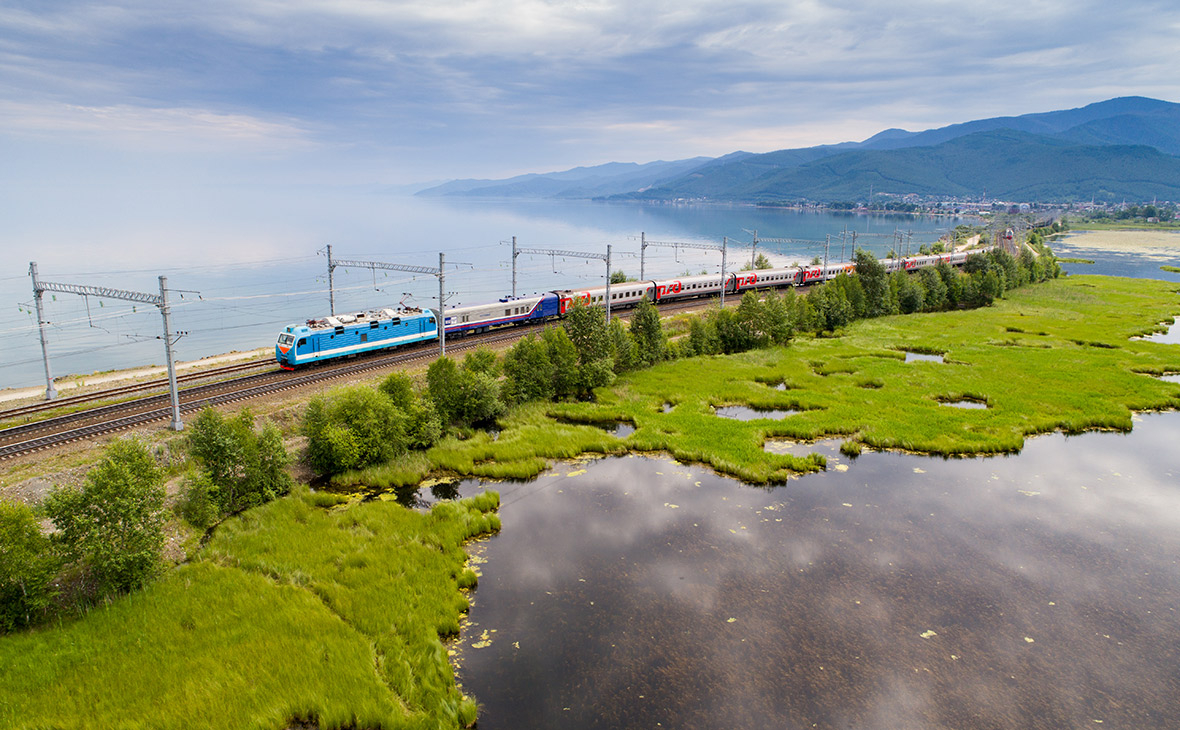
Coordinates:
[1120,149]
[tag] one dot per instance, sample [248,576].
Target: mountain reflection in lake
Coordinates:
[1036,591]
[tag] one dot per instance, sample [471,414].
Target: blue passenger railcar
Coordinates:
[345,335]
[509,310]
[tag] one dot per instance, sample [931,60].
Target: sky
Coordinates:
[155,92]
[215,125]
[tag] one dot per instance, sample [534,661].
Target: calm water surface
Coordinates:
[896,591]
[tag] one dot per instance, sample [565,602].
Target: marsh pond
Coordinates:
[895,591]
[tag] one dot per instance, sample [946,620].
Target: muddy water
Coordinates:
[1035,591]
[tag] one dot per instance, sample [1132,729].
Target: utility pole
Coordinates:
[442,302]
[724,253]
[331,288]
[442,306]
[753,246]
[50,391]
[514,255]
[161,301]
[642,254]
[579,255]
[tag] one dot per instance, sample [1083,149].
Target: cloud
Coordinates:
[147,126]
[480,87]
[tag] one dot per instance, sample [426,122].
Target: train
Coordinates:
[348,335]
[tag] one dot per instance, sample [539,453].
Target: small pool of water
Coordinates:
[1172,378]
[745,413]
[830,448]
[969,404]
[622,429]
[922,357]
[1171,337]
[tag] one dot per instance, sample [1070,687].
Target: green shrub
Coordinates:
[113,527]
[27,567]
[528,371]
[353,427]
[241,467]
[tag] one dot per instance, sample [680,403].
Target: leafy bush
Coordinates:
[353,427]
[464,396]
[113,527]
[240,466]
[27,567]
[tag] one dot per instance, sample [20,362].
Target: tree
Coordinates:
[442,383]
[874,279]
[760,262]
[113,527]
[732,333]
[482,360]
[27,567]
[242,467]
[564,357]
[587,330]
[780,316]
[622,347]
[399,388]
[751,317]
[479,398]
[618,277]
[702,336]
[832,309]
[423,425]
[908,292]
[646,328]
[935,289]
[528,371]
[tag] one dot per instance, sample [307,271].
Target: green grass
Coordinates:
[1056,356]
[293,612]
[1067,260]
[1172,269]
[1122,226]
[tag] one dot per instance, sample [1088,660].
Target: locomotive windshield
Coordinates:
[286,339]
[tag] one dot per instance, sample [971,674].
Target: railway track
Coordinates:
[39,435]
[228,386]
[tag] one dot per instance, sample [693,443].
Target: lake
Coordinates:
[242,264]
[894,591]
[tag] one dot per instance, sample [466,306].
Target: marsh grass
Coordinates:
[1058,356]
[292,613]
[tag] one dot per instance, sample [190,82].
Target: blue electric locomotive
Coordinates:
[345,335]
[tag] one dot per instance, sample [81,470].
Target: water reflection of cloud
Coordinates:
[906,592]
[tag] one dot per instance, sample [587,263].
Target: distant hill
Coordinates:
[580,182]
[1124,148]
[1001,164]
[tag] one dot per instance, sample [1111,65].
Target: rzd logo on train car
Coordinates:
[672,287]
[748,280]
[567,302]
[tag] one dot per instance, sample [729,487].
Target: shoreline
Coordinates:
[78,382]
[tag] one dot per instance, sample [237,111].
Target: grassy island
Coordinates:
[1064,355]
